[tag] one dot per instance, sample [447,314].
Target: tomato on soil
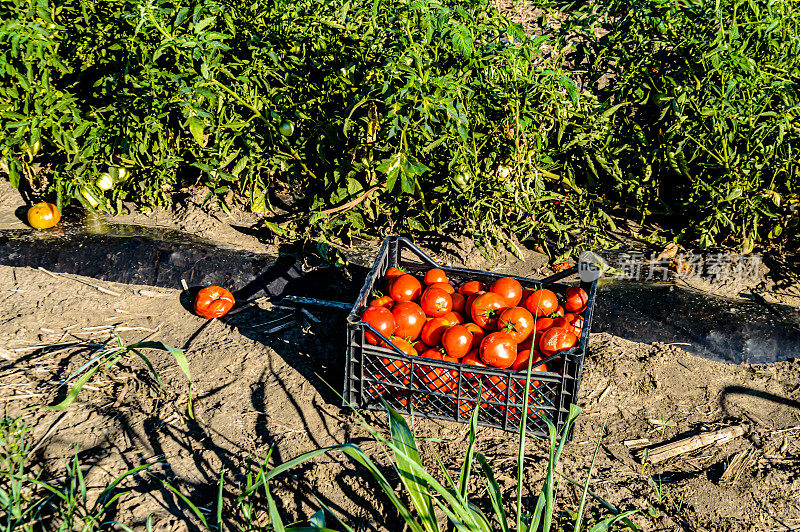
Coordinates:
[433,330]
[576,299]
[471,287]
[486,309]
[457,341]
[382,319]
[213,302]
[542,302]
[509,289]
[382,301]
[43,215]
[516,321]
[405,288]
[435,275]
[447,287]
[458,302]
[435,302]
[409,319]
[556,340]
[498,349]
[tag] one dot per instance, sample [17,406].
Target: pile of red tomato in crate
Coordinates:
[501,326]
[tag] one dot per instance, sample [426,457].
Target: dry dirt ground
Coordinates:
[254,391]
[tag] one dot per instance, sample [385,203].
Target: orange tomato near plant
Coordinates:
[43,215]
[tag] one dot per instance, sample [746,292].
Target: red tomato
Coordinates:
[433,330]
[409,319]
[405,288]
[458,302]
[470,300]
[447,287]
[526,292]
[382,301]
[509,289]
[435,302]
[486,310]
[456,341]
[498,349]
[213,302]
[556,340]
[493,387]
[436,379]
[516,321]
[576,300]
[542,302]
[380,318]
[568,322]
[542,324]
[44,216]
[393,273]
[559,312]
[521,362]
[435,276]
[421,346]
[471,287]
[477,334]
[454,318]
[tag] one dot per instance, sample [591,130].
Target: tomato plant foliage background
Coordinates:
[413,115]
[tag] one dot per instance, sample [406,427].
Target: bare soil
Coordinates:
[255,391]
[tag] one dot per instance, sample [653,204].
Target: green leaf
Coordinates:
[196,127]
[417,487]
[466,467]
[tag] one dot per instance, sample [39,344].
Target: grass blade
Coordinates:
[219,497]
[101,499]
[185,499]
[466,468]
[274,517]
[417,488]
[606,523]
[495,495]
[582,505]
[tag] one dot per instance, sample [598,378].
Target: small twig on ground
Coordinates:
[65,276]
[666,451]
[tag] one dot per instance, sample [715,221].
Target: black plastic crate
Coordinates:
[446,390]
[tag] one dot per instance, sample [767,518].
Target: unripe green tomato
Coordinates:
[286,129]
[462,180]
[37,146]
[104,182]
[90,197]
[119,174]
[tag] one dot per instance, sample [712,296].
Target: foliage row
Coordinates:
[348,116]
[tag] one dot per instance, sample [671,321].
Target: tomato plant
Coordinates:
[43,216]
[409,319]
[382,319]
[213,302]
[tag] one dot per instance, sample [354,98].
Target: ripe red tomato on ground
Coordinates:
[576,299]
[409,319]
[433,330]
[447,287]
[498,349]
[382,301]
[556,340]
[471,287]
[382,319]
[435,302]
[213,302]
[509,289]
[458,302]
[457,341]
[43,215]
[405,288]
[542,302]
[516,321]
[486,309]
[435,275]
